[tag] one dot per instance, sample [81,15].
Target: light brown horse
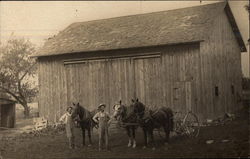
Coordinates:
[126,115]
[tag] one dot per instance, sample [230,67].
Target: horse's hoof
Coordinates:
[89,145]
[144,147]
[153,148]
[134,146]
[129,145]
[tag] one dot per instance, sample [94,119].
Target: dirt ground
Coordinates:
[55,145]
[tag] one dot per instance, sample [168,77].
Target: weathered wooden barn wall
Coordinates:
[109,81]
[105,61]
[181,81]
[0,115]
[52,89]
[169,76]
[220,67]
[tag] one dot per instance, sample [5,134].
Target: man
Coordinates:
[67,120]
[102,118]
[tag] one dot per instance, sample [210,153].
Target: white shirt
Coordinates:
[65,118]
[100,115]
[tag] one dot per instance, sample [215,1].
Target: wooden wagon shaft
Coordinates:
[125,124]
[131,124]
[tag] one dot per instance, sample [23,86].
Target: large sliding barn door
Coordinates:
[148,84]
[121,84]
[86,83]
[99,81]
[182,78]
[182,96]
[171,79]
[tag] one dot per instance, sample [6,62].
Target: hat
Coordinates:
[101,105]
[117,103]
[69,107]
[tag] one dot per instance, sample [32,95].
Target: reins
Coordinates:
[150,116]
[128,116]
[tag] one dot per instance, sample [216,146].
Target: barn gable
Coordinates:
[152,29]
[221,67]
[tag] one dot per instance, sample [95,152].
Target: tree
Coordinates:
[16,70]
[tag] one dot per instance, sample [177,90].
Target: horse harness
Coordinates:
[151,115]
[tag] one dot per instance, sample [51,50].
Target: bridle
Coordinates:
[123,111]
[141,116]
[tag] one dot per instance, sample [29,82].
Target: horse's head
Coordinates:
[119,111]
[139,107]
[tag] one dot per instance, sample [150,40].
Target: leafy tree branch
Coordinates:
[16,70]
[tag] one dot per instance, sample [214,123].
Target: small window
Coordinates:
[232,89]
[216,91]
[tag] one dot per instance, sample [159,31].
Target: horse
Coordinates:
[125,114]
[83,119]
[151,119]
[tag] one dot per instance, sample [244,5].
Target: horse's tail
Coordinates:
[170,116]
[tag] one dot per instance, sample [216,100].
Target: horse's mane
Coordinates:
[83,112]
[129,109]
[128,112]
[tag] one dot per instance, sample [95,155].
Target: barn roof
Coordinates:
[151,29]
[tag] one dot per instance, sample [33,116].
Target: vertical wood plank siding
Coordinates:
[168,80]
[184,78]
[220,66]
[1,115]
[52,89]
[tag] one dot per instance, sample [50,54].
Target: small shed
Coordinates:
[7,113]
[185,59]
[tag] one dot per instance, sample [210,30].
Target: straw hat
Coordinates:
[101,106]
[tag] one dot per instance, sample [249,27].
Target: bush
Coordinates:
[245,83]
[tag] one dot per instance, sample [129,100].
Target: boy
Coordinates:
[102,118]
[69,126]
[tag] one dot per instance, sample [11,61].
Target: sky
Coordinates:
[39,20]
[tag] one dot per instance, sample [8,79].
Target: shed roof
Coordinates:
[4,99]
[151,29]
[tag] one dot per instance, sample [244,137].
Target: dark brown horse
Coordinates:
[126,115]
[84,120]
[149,120]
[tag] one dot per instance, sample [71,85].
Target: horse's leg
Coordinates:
[89,135]
[83,136]
[128,132]
[167,133]
[133,134]
[145,137]
[152,138]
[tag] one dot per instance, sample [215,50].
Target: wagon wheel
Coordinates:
[178,124]
[191,125]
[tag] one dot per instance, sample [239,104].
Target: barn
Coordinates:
[7,112]
[186,59]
